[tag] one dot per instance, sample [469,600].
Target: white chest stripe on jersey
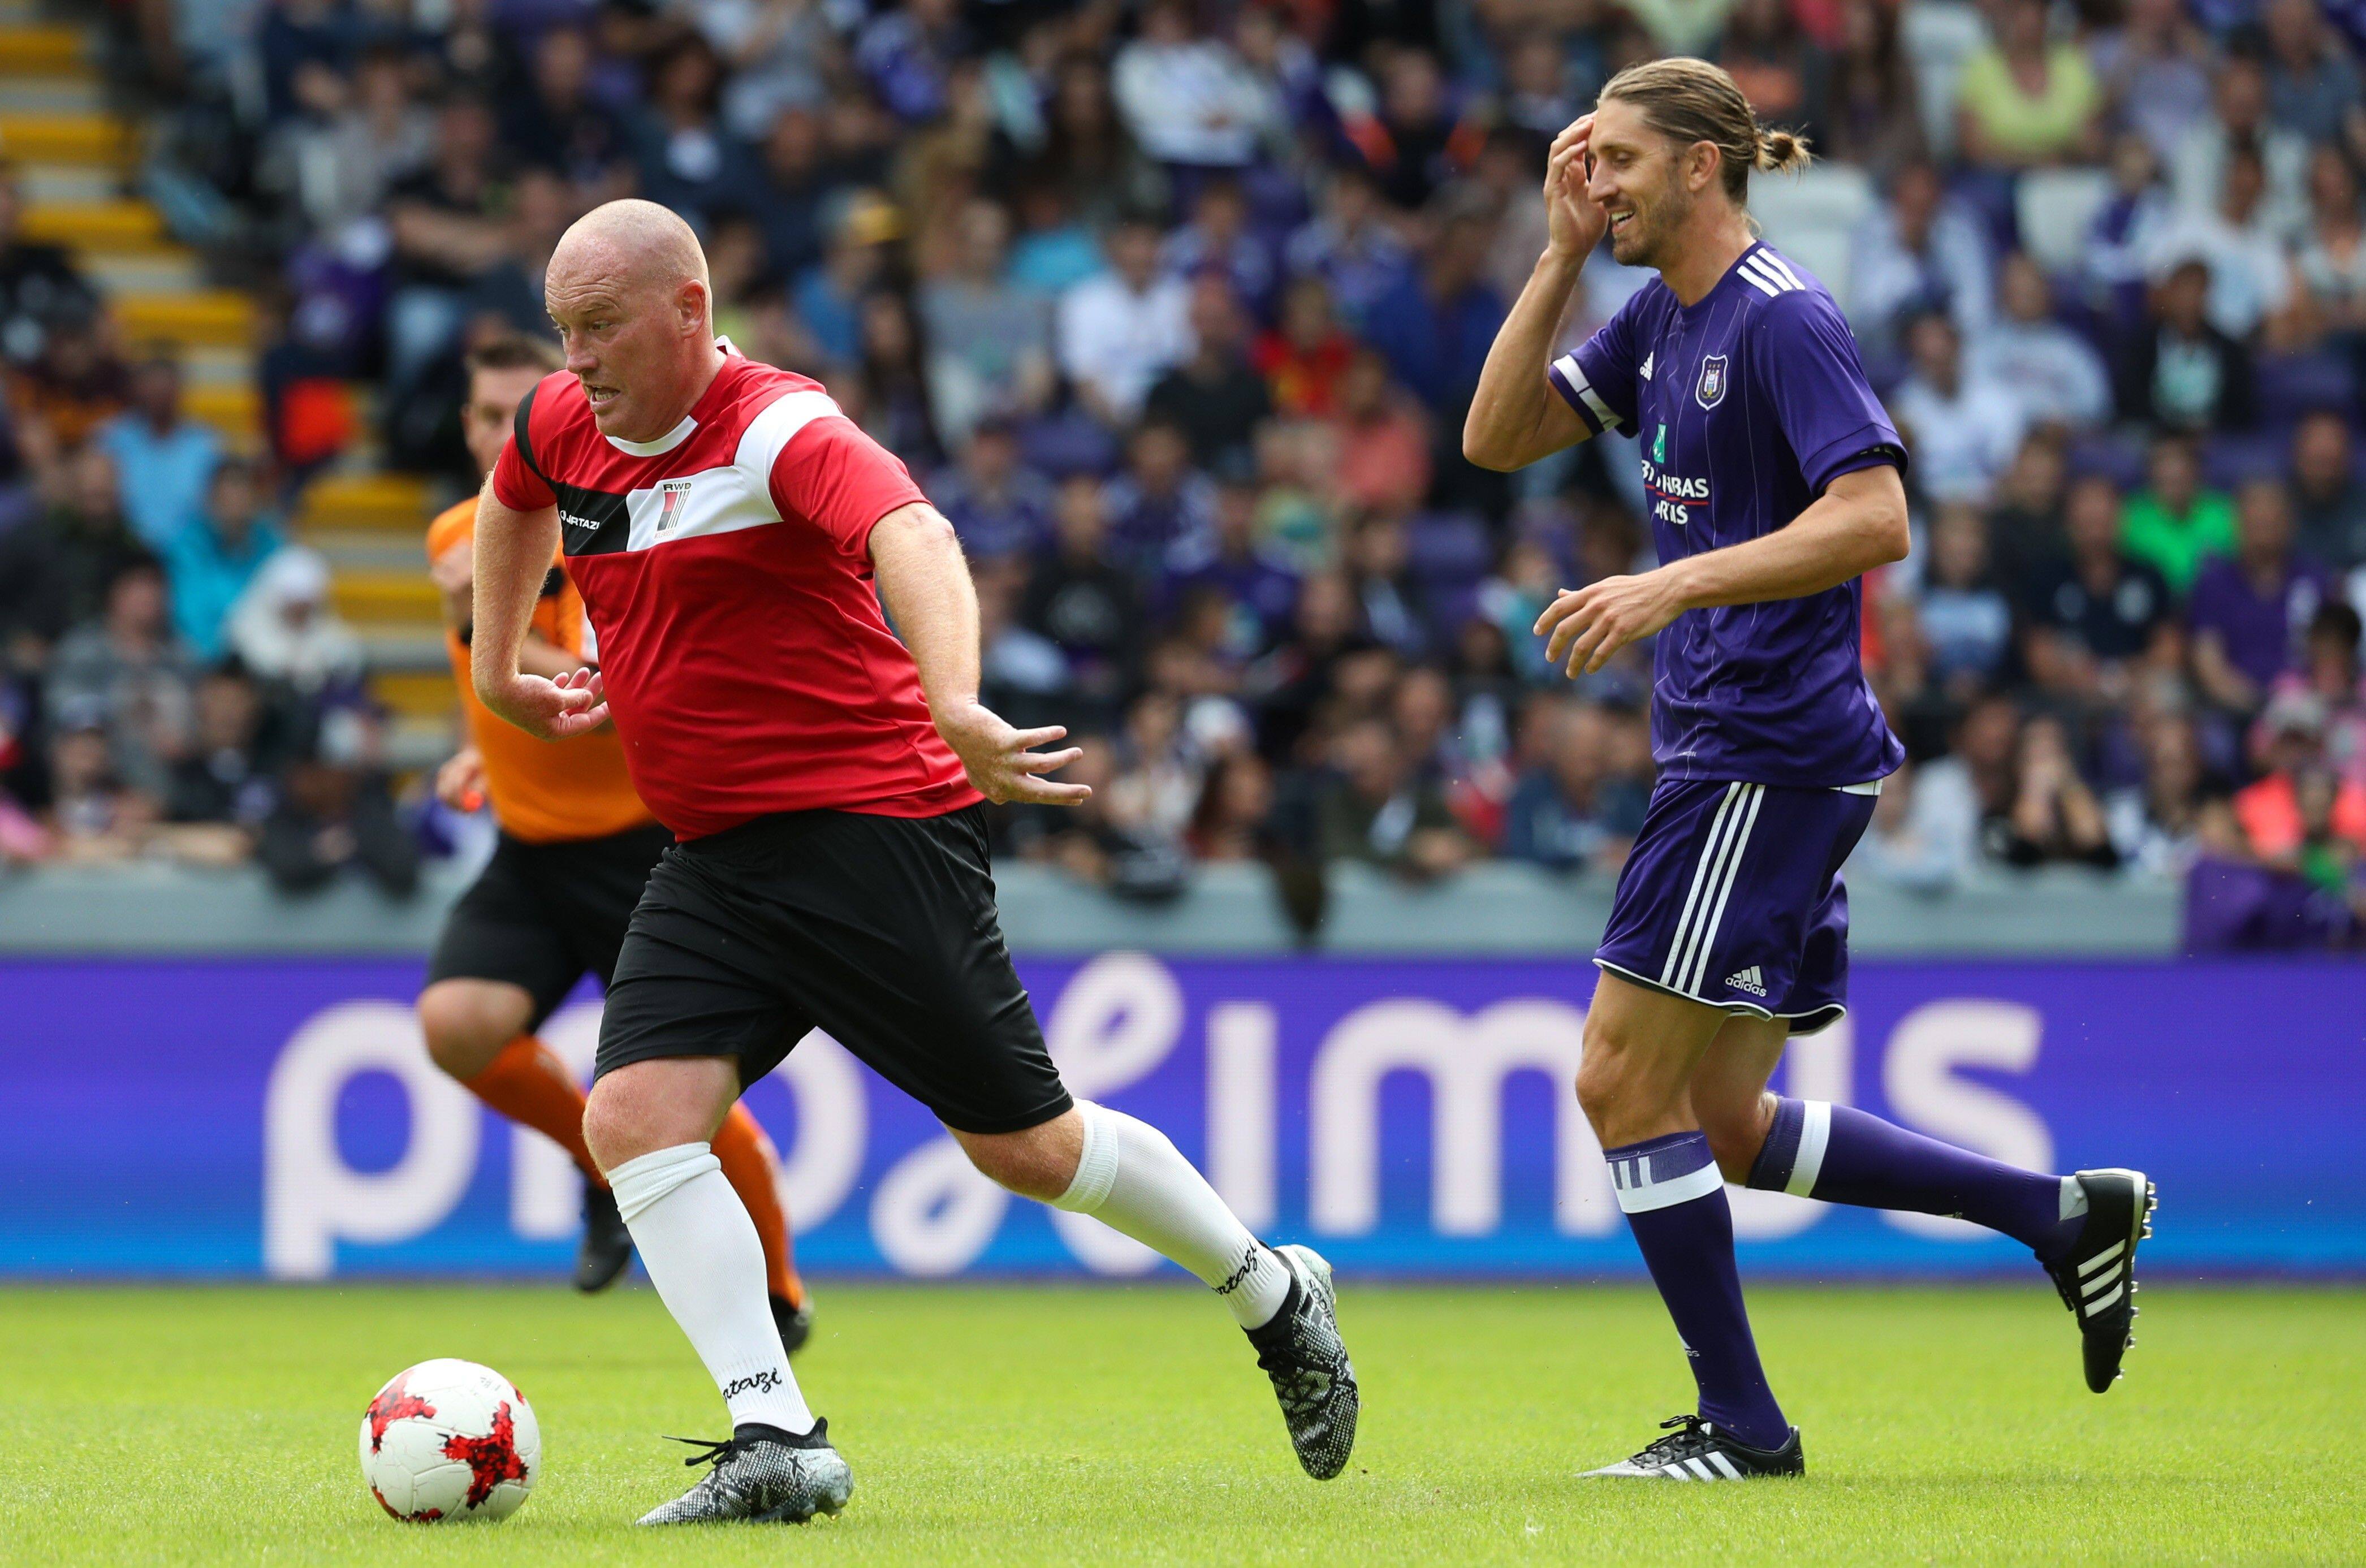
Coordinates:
[729,499]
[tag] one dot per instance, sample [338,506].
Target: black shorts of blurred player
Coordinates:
[537,919]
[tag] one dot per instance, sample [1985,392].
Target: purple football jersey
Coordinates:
[1746,405]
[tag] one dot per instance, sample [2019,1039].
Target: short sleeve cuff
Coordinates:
[1569,379]
[1868,445]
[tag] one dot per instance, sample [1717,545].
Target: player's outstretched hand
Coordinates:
[1588,624]
[1001,761]
[552,710]
[460,781]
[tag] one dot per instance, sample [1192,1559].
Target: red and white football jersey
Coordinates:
[726,569]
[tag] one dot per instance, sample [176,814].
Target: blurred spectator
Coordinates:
[2178,813]
[2027,99]
[2250,612]
[1435,328]
[778,51]
[2271,809]
[73,386]
[128,672]
[1870,115]
[2025,524]
[1384,443]
[2175,523]
[1395,602]
[1965,619]
[1916,253]
[446,231]
[340,161]
[1021,673]
[1219,244]
[284,628]
[1258,589]
[559,123]
[1350,247]
[1188,98]
[1090,168]
[225,774]
[2121,241]
[1215,396]
[989,342]
[998,506]
[331,816]
[2329,671]
[215,557]
[1230,820]
[1569,812]
[163,458]
[1304,357]
[40,284]
[2056,375]
[1376,809]
[2312,84]
[2156,68]
[2197,169]
[790,185]
[2330,263]
[2181,373]
[828,297]
[93,815]
[2251,271]
[908,54]
[1959,807]
[2054,815]
[686,161]
[1159,501]
[1124,327]
[1964,425]
[2099,611]
[54,570]
[2329,498]
[1081,598]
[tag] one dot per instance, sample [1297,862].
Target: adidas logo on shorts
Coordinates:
[1748,980]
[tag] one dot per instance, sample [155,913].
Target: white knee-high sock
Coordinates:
[704,1256]
[1132,1180]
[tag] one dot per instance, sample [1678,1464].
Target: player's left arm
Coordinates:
[925,583]
[1859,523]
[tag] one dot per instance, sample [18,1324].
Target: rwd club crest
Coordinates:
[1711,389]
[674,494]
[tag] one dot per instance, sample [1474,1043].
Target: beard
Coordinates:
[1642,239]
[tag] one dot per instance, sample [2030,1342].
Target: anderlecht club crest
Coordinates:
[1711,389]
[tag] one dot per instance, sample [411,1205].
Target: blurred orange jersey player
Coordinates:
[575,850]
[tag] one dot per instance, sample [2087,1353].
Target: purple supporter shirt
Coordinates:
[1747,404]
[2261,632]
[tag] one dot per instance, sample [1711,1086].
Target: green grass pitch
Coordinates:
[1130,1425]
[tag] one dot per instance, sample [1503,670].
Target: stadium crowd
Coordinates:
[1175,309]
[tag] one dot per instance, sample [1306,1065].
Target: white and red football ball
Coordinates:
[450,1439]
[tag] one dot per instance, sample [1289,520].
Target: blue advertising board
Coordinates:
[278,1118]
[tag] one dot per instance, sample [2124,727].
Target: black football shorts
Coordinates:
[879,929]
[541,916]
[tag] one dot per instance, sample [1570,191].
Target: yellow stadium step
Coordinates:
[41,50]
[379,598]
[97,225]
[234,408]
[198,316]
[368,500]
[423,693]
[67,139]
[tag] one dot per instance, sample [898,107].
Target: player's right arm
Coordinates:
[515,548]
[1515,416]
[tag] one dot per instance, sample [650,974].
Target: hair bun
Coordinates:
[1781,152]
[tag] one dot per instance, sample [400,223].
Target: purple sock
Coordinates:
[1675,1201]
[1840,1155]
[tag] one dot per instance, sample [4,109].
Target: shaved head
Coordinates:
[630,241]
[627,287]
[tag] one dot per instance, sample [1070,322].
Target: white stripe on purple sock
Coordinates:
[1815,1133]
